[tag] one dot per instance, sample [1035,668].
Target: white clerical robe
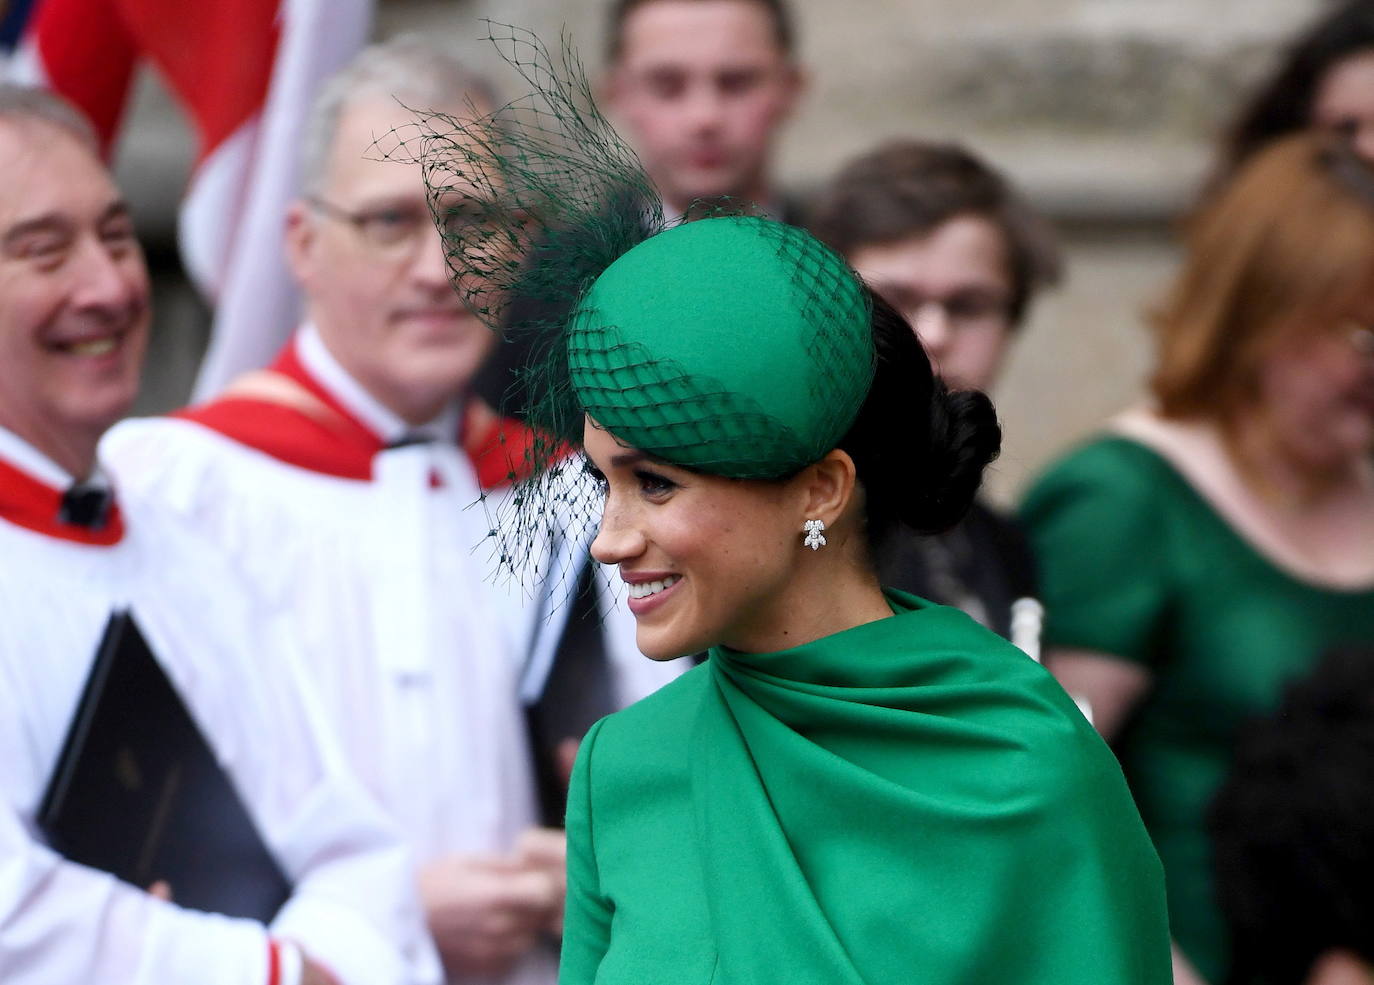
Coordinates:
[353,905]
[382,556]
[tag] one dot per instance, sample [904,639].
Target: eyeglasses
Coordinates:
[961,310]
[396,231]
[1360,337]
[391,230]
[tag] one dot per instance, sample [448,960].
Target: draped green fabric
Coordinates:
[912,800]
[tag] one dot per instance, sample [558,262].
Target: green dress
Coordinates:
[910,801]
[1134,563]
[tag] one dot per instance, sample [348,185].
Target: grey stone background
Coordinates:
[1105,111]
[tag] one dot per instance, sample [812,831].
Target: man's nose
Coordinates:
[1364,141]
[109,280]
[704,106]
[429,266]
[933,328]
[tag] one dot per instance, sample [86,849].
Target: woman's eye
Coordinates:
[653,484]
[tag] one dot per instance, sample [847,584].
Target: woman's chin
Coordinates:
[662,647]
[657,651]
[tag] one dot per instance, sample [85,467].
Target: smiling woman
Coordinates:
[816,802]
[857,786]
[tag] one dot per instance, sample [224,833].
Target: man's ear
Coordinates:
[300,233]
[609,86]
[829,487]
[798,81]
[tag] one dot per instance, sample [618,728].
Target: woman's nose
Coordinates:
[618,538]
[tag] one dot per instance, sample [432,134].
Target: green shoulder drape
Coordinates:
[910,801]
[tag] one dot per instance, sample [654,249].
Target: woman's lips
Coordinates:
[645,595]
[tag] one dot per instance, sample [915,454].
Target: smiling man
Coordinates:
[702,88]
[344,478]
[73,327]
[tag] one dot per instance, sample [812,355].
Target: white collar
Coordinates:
[382,420]
[27,458]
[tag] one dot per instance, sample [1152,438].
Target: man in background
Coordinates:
[74,317]
[701,89]
[949,243]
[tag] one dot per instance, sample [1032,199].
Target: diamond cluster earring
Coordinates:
[815,536]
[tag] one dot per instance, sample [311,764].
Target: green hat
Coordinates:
[735,345]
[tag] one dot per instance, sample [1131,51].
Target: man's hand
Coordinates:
[314,973]
[487,911]
[546,850]
[565,756]
[1337,967]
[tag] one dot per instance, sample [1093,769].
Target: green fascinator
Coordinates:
[735,345]
[730,344]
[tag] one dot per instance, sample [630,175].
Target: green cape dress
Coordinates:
[910,801]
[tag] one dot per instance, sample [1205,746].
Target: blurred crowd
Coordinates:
[303,551]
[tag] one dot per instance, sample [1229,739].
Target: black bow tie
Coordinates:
[85,505]
[408,439]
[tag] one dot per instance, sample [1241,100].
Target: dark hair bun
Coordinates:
[964,438]
[918,449]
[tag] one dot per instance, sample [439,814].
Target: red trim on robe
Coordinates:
[339,444]
[273,962]
[501,452]
[34,505]
[288,435]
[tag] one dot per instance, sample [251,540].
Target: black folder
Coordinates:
[138,792]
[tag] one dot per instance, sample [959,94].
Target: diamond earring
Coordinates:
[815,536]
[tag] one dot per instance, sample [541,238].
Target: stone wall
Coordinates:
[1097,106]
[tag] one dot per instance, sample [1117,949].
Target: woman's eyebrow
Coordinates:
[628,458]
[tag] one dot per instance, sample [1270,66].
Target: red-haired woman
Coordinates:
[1208,547]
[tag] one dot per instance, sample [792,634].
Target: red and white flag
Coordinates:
[245,71]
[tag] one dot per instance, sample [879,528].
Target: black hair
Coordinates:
[1284,103]
[919,449]
[778,12]
[1293,826]
[908,188]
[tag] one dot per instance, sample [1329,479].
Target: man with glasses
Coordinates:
[344,479]
[950,244]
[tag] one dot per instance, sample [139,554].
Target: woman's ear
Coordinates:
[829,487]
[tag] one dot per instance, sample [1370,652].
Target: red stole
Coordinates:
[26,502]
[317,432]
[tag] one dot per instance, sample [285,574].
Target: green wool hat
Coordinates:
[735,345]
